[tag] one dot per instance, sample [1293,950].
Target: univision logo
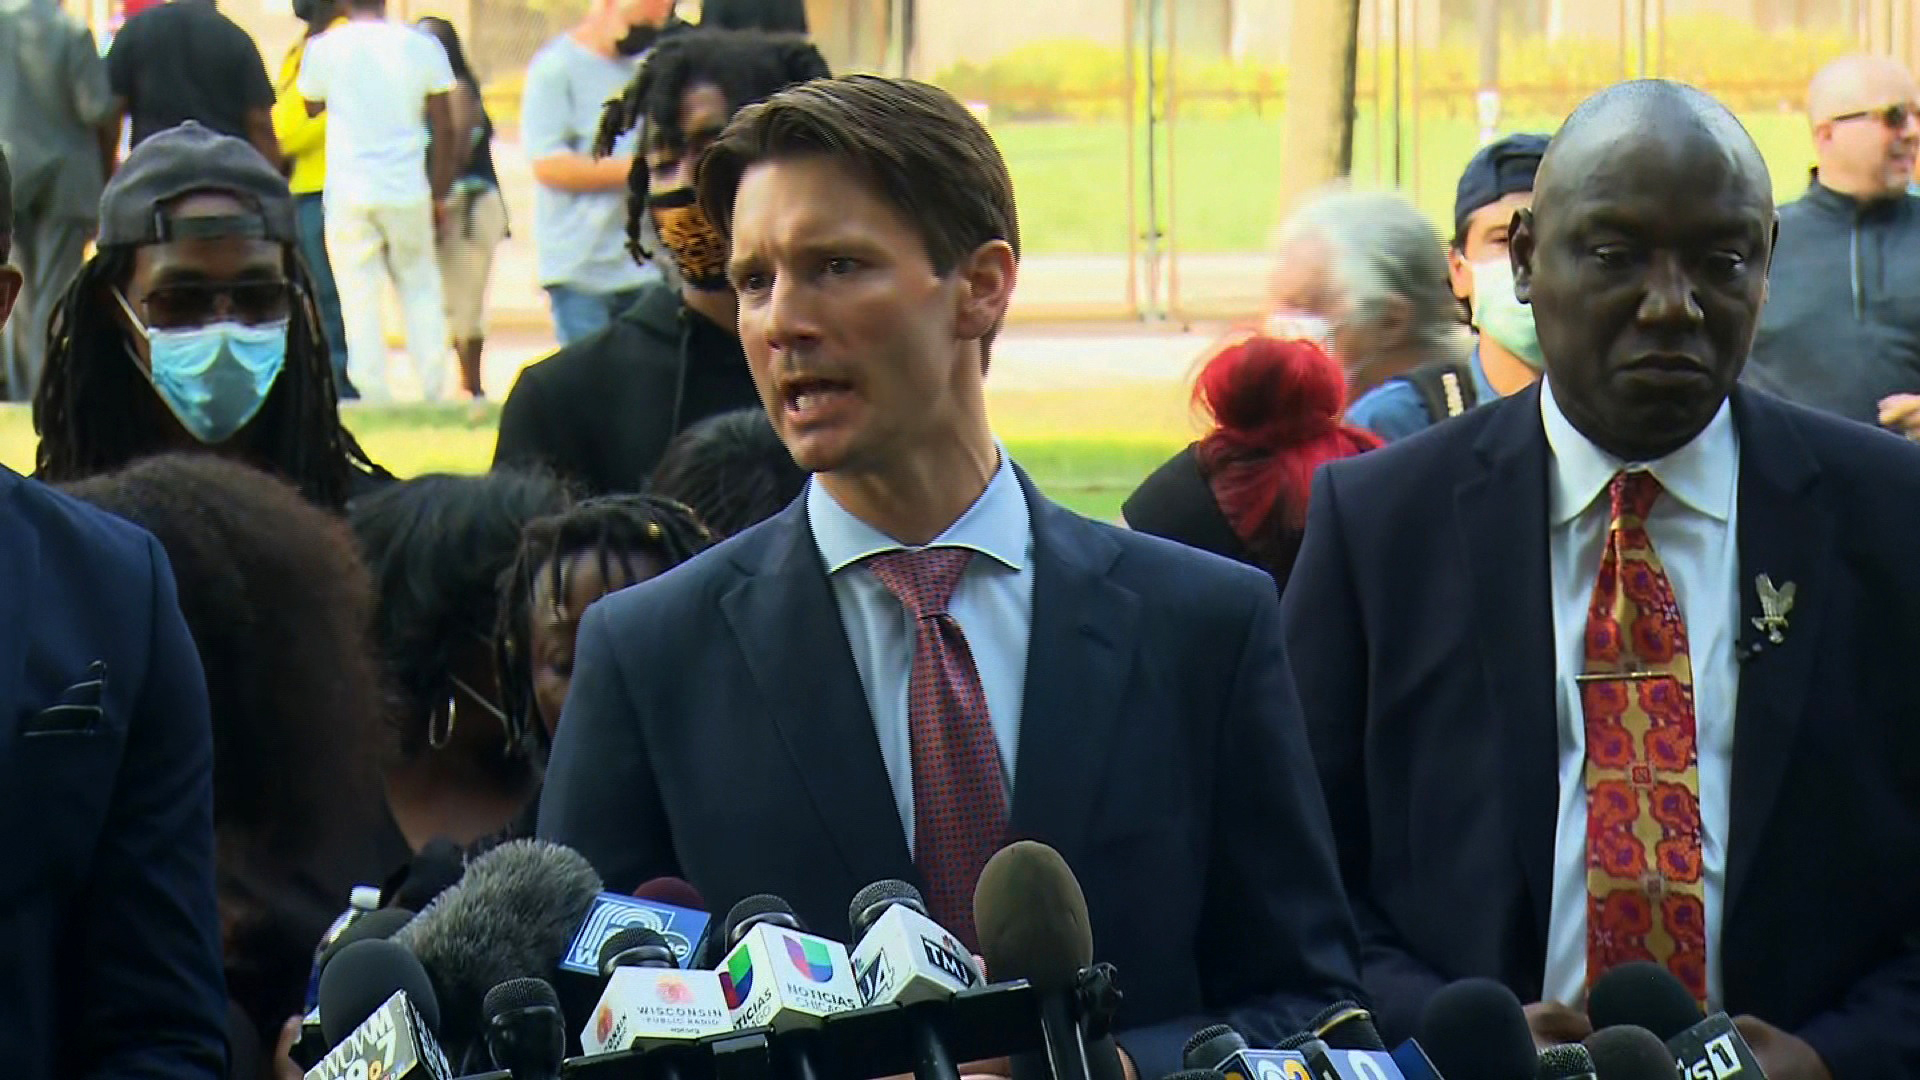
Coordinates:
[737,980]
[810,957]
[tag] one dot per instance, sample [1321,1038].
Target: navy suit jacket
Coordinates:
[1419,627]
[717,731]
[109,939]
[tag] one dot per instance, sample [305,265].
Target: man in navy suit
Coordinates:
[109,941]
[923,657]
[1620,668]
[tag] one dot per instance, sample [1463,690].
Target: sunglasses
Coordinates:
[251,302]
[1895,116]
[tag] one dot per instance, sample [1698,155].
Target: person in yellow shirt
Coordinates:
[303,141]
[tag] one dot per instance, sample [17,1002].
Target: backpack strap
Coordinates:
[1446,389]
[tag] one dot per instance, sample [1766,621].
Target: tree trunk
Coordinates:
[1321,62]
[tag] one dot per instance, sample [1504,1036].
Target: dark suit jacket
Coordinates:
[109,940]
[717,731]
[1419,628]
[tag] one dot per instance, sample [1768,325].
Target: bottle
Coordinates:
[363,899]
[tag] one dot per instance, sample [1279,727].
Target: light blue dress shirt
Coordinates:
[993,605]
[1694,529]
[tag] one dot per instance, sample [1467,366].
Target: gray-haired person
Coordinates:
[1364,274]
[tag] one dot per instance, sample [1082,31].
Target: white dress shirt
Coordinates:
[1693,529]
[993,605]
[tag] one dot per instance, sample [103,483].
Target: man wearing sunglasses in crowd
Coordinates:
[194,327]
[1841,326]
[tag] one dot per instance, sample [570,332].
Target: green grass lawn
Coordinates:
[1071,176]
[1086,448]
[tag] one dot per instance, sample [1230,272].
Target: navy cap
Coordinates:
[1502,167]
[185,160]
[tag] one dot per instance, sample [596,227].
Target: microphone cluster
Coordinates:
[525,968]
[1647,1027]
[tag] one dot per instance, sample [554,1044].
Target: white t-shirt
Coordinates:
[375,78]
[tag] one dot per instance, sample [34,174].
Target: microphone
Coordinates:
[1475,1029]
[1568,1061]
[667,906]
[1630,1053]
[1220,1050]
[781,977]
[380,1012]
[526,1035]
[434,869]
[511,916]
[903,957]
[1032,920]
[648,1001]
[1647,995]
[1344,1025]
[382,923]
[361,979]
[1413,1062]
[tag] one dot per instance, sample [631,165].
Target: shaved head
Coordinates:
[1866,128]
[1645,259]
[1857,82]
[1675,117]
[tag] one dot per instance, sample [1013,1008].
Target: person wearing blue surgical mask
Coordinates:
[1497,182]
[194,328]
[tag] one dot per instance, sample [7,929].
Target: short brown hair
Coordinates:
[922,151]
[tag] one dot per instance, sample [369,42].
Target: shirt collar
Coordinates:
[1700,474]
[996,525]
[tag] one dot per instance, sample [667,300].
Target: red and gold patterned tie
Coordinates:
[959,787]
[1645,895]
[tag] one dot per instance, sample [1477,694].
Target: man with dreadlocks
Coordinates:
[194,328]
[601,411]
[111,936]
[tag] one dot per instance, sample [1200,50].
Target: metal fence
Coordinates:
[1146,136]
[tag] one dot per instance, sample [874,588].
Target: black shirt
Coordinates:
[185,61]
[601,411]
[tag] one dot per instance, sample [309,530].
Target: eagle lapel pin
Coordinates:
[1775,605]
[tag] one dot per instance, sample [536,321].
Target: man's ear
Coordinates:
[10,280]
[1520,249]
[986,288]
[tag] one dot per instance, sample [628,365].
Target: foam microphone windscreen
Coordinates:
[434,869]
[1630,1053]
[1642,995]
[361,979]
[374,925]
[1475,1029]
[511,916]
[671,890]
[1032,917]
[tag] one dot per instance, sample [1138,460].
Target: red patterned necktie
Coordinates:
[1645,896]
[959,787]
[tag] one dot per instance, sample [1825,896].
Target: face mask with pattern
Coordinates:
[699,250]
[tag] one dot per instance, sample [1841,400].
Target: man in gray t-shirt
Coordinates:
[580,203]
[54,104]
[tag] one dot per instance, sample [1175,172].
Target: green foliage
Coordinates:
[1071,79]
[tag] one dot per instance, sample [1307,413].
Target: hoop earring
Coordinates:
[446,737]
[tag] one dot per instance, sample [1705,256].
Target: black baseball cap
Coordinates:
[186,160]
[1502,167]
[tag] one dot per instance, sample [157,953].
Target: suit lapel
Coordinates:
[1785,532]
[1502,516]
[788,625]
[1079,661]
